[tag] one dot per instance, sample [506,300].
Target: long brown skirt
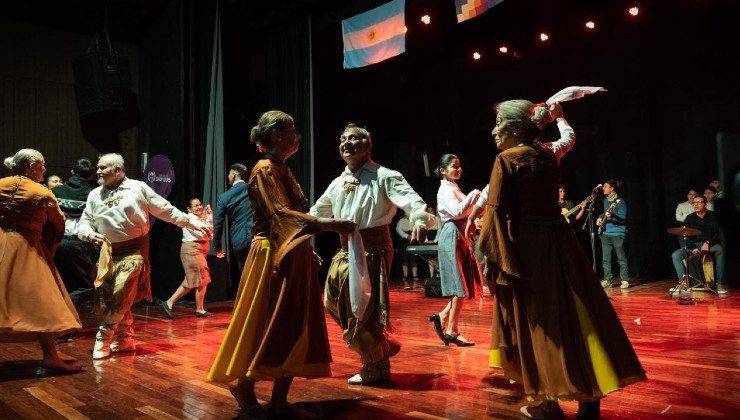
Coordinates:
[555,331]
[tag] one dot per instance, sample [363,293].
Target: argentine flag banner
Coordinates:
[375,35]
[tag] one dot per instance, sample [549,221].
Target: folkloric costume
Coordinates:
[195,246]
[368,197]
[122,216]
[554,329]
[278,328]
[32,295]
[458,269]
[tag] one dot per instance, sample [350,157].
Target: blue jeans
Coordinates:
[719,263]
[616,243]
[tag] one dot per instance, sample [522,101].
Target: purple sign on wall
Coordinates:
[160,175]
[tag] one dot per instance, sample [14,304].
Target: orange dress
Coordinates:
[32,296]
[278,328]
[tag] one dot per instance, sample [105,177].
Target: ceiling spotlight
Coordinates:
[634,11]
[590,24]
[544,37]
[476,55]
[426,19]
[503,49]
[405,29]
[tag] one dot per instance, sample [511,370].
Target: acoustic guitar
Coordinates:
[567,213]
[600,230]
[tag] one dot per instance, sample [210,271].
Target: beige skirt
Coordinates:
[193,257]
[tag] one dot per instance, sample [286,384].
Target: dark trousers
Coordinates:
[74,262]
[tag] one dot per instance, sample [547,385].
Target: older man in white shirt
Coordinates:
[116,217]
[368,194]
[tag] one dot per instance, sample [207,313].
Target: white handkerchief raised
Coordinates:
[574,92]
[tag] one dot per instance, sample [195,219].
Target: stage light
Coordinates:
[544,37]
[503,49]
[476,55]
[590,24]
[426,19]
[405,29]
[634,11]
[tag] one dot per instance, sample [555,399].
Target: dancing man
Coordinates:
[367,194]
[116,218]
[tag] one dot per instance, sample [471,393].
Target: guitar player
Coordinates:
[612,226]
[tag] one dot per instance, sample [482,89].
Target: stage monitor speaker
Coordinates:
[218,290]
[105,101]
[433,287]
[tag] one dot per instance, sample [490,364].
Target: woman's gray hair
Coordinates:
[22,160]
[524,118]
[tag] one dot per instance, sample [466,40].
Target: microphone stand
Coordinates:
[590,222]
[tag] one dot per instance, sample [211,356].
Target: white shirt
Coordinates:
[122,214]
[403,227]
[453,204]
[370,196]
[189,235]
[683,209]
[559,148]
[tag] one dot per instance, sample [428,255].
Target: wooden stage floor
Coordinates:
[691,354]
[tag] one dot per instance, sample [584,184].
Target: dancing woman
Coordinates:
[35,304]
[278,329]
[459,273]
[554,330]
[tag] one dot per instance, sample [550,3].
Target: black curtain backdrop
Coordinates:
[671,87]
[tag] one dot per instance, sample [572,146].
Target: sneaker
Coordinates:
[101,350]
[624,285]
[721,289]
[127,344]
[372,373]
[545,410]
[606,284]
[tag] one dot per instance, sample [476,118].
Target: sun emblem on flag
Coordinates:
[371,35]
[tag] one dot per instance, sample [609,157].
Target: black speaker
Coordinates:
[218,290]
[433,287]
[105,101]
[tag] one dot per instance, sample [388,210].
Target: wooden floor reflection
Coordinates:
[691,353]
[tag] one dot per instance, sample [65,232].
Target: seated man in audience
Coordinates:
[707,242]
[685,208]
[710,193]
[74,258]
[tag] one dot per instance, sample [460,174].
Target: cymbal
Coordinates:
[684,231]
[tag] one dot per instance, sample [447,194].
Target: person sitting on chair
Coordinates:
[706,242]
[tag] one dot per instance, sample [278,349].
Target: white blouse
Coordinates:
[189,235]
[560,147]
[370,197]
[122,214]
[452,203]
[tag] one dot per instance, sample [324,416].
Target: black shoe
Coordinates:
[437,323]
[167,310]
[456,341]
[205,314]
[589,410]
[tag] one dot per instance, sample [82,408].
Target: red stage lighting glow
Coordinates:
[426,19]
[634,11]
[544,37]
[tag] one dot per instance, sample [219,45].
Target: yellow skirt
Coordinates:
[261,342]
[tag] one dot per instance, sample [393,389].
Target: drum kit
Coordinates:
[687,282]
